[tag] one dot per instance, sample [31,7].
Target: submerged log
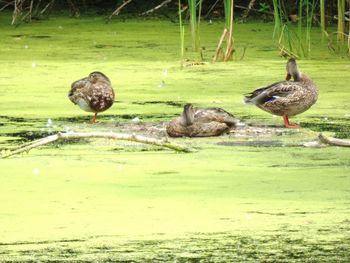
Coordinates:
[106,135]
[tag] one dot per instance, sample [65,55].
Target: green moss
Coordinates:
[119,201]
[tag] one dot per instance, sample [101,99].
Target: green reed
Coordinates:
[291,42]
[182,34]
[341,21]
[194,24]
[323,19]
[278,28]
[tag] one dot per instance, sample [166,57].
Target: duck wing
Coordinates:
[79,84]
[79,90]
[277,91]
[207,129]
[214,114]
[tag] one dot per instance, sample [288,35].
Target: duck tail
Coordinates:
[248,99]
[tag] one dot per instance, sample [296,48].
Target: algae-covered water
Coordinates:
[255,195]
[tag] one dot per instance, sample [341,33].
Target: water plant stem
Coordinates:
[300,24]
[194,24]
[182,34]
[323,20]
[230,48]
[277,18]
[341,21]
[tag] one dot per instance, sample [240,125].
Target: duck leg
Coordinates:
[287,124]
[93,120]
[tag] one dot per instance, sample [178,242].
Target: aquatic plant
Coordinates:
[341,21]
[277,18]
[310,7]
[293,43]
[182,34]
[227,33]
[195,22]
[349,32]
[323,20]
[229,4]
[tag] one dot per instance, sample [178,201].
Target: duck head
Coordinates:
[292,70]
[98,76]
[188,115]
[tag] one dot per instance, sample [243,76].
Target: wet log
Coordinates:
[334,141]
[105,135]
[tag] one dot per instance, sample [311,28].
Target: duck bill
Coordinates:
[288,77]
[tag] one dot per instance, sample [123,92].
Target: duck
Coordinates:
[93,93]
[201,122]
[286,98]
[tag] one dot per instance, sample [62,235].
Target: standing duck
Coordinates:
[198,122]
[286,98]
[93,93]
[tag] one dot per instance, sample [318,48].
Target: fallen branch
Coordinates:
[333,141]
[29,14]
[106,135]
[156,8]
[6,5]
[46,7]
[117,11]
[253,9]
[211,8]
[246,11]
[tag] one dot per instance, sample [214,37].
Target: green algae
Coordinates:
[261,198]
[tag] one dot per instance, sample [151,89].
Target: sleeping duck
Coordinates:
[286,98]
[201,122]
[93,93]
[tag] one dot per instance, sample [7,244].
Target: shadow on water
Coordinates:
[30,36]
[270,143]
[279,246]
[116,118]
[168,103]
[340,126]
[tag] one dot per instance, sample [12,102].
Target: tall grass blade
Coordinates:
[278,23]
[182,34]
[193,24]
[230,47]
[349,32]
[300,25]
[309,16]
[323,19]
[341,21]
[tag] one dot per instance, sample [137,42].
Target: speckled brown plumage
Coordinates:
[93,93]
[200,122]
[286,98]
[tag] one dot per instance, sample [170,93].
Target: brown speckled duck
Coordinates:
[93,93]
[200,122]
[286,98]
